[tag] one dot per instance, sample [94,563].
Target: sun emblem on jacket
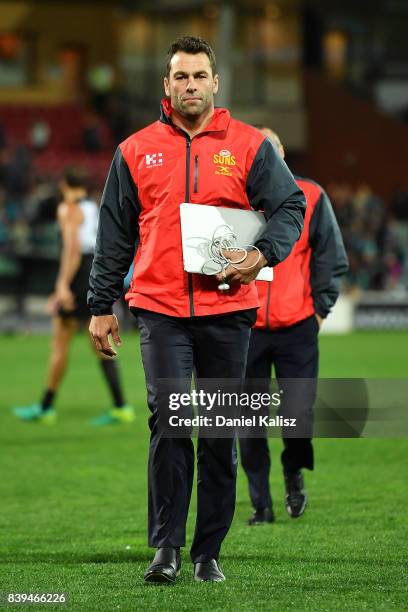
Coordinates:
[224,161]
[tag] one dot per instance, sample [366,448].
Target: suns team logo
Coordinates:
[224,161]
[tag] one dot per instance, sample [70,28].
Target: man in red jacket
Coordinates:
[193,153]
[292,307]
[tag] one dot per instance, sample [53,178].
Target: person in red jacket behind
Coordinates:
[292,307]
[200,154]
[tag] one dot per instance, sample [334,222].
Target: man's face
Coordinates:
[191,85]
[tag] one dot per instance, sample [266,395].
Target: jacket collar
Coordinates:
[219,121]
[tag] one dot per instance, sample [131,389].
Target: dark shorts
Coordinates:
[79,288]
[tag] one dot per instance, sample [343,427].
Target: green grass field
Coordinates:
[73,500]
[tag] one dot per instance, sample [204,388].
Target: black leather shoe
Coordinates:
[165,566]
[260,517]
[208,571]
[296,498]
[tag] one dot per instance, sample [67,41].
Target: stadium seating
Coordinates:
[66,123]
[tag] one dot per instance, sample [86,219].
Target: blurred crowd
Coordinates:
[375,233]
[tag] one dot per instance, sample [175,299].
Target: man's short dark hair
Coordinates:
[193,45]
[76,177]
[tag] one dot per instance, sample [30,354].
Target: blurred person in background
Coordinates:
[78,219]
[3,137]
[101,81]
[40,135]
[399,223]
[394,256]
[16,171]
[4,219]
[91,133]
[292,308]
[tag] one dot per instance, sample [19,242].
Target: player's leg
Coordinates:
[296,357]
[254,451]
[63,328]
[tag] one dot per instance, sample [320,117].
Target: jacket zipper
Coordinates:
[196,174]
[188,149]
[187,199]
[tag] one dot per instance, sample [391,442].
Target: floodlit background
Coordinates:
[76,78]
[330,76]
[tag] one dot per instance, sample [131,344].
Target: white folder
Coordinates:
[198,224]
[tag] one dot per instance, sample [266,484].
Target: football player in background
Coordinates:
[78,220]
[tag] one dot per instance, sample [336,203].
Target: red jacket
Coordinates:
[307,282]
[155,170]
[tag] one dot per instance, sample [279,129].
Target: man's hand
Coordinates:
[61,298]
[64,297]
[319,320]
[100,328]
[52,304]
[232,275]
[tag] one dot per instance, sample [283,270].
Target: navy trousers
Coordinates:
[172,347]
[293,351]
